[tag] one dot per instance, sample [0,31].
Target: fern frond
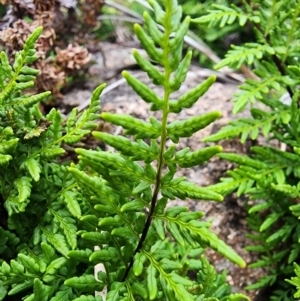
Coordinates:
[243,127]
[226,15]
[136,150]
[85,283]
[246,54]
[189,98]
[134,126]
[143,90]
[188,127]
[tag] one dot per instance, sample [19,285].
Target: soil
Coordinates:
[229,217]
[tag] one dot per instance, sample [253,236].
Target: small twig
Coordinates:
[119,18]
[144,3]
[123,9]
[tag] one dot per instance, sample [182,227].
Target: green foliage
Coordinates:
[268,176]
[39,196]
[211,13]
[110,208]
[146,248]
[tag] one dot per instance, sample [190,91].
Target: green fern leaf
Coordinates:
[180,34]
[5,268]
[189,98]
[85,283]
[188,127]
[80,255]
[181,72]
[154,53]
[52,153]
[48,252]
[34,168]
[3,291]
[153,29]
[159,228]
[114,293]
[119,166]
[281,235]
[263,282]
[226,187]
[23,186]
[93,183]
[58,241]
[55,265]
[65,294]
[40,290]
[152,282]
[21,287]
[199,157]
[243,160]
[295,280]
[70,198]
[55,129]
[4,159]
[138,264]
[27,102]
[260,207]
[143,90]
[140,290]
[23,190]
[16,267]
[204,235]
[251,90]
[225,15]
[8,146]
[247,53]
[5,66]
[122,232]
[174,231]
[67,225]
[95,238]
[288,190]
[136,150]
[29,71]
[242,126]
[86,122]
[270,220]
[154,74]
[29,263]
[187,189]
[134,126]
[104,255]
[115,221]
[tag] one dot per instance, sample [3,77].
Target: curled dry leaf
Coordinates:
[47,38]
[90,10]
[50,78]
[44,5]
[72,58]
[13,38]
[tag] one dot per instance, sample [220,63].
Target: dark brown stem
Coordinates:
[148,222]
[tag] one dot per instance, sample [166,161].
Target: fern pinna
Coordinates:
[148,249]
[40,206]
[269,176]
